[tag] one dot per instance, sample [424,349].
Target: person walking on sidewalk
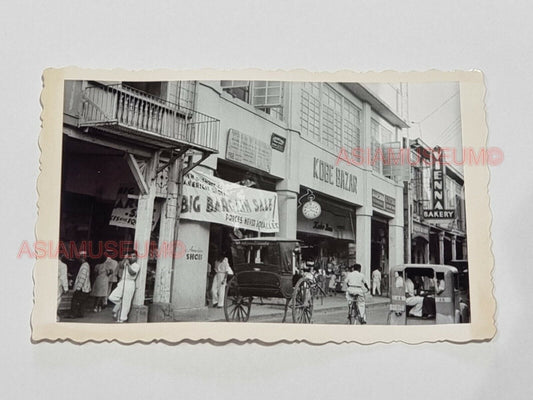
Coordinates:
[82,287]
[222,270]
[376,281]
[122,296]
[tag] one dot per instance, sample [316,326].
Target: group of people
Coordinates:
[114,281]
[418,293]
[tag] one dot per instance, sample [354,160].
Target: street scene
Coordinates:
[263,201]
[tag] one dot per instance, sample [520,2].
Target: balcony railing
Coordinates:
[130,110]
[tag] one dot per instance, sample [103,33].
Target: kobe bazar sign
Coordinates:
[328,173]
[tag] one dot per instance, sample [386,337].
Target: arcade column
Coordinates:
[363,222]
[441,247]
[396,243]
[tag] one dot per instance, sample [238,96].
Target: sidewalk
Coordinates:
[268,310]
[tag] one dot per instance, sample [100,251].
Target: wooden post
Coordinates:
[143,229]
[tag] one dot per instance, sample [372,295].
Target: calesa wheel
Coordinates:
[236,307]
[302,302]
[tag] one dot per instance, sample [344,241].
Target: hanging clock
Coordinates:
[311,209]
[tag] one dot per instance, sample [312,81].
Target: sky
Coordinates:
[435,114]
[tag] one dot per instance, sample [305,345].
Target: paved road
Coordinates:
[377,315]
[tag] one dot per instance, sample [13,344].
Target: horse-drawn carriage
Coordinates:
[268,267]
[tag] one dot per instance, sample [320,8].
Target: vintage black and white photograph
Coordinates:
[263,201]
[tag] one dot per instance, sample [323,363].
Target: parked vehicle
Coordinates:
[443,285]
[268,267]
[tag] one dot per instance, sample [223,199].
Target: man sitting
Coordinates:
[412,300]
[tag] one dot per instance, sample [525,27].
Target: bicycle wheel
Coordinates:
[353,319]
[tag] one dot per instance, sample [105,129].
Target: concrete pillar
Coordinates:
[189,280]
[288,203]
[465,250]
[454,247]
[143,230]
[396,243]
[363,222]
[160,309]
[441,247]
[426,252]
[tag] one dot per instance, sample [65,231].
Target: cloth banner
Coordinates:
[210,199]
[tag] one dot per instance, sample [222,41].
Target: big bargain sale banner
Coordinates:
[210,199]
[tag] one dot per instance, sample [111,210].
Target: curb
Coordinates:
[330,308]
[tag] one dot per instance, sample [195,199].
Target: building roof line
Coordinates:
[365,94]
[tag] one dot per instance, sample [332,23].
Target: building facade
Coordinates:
[432,240]
[308,145]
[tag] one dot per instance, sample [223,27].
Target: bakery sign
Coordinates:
[437,187]
[248,150]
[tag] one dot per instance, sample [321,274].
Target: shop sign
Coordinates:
[437,186]
[334,176]
[210,199]
[327,225]
[194,254]
[248,150]
[124,212]
[277,142]
[390,204]
[383,202]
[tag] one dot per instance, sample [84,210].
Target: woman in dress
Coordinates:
[101,286]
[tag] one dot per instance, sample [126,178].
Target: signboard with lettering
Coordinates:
[248,150]
[328,224]
[383,202]
[334,176]
[210,199]
[437,186]
[277,142]
[124,212]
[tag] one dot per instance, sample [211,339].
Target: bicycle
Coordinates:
[353,313]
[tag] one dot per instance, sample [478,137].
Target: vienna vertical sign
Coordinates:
[437,187]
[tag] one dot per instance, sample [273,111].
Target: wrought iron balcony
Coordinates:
[123,110]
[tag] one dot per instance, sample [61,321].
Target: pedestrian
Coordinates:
[82,287]
[62,283]
[376,281]
[113,278]
[101,285]
[222,270]
[122,296]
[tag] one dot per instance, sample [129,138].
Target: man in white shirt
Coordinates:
[355,290]
[412,300]
[122,296]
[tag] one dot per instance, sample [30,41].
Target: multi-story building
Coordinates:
[300,142]
[431,240]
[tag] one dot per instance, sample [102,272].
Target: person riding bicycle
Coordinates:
[355,290]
